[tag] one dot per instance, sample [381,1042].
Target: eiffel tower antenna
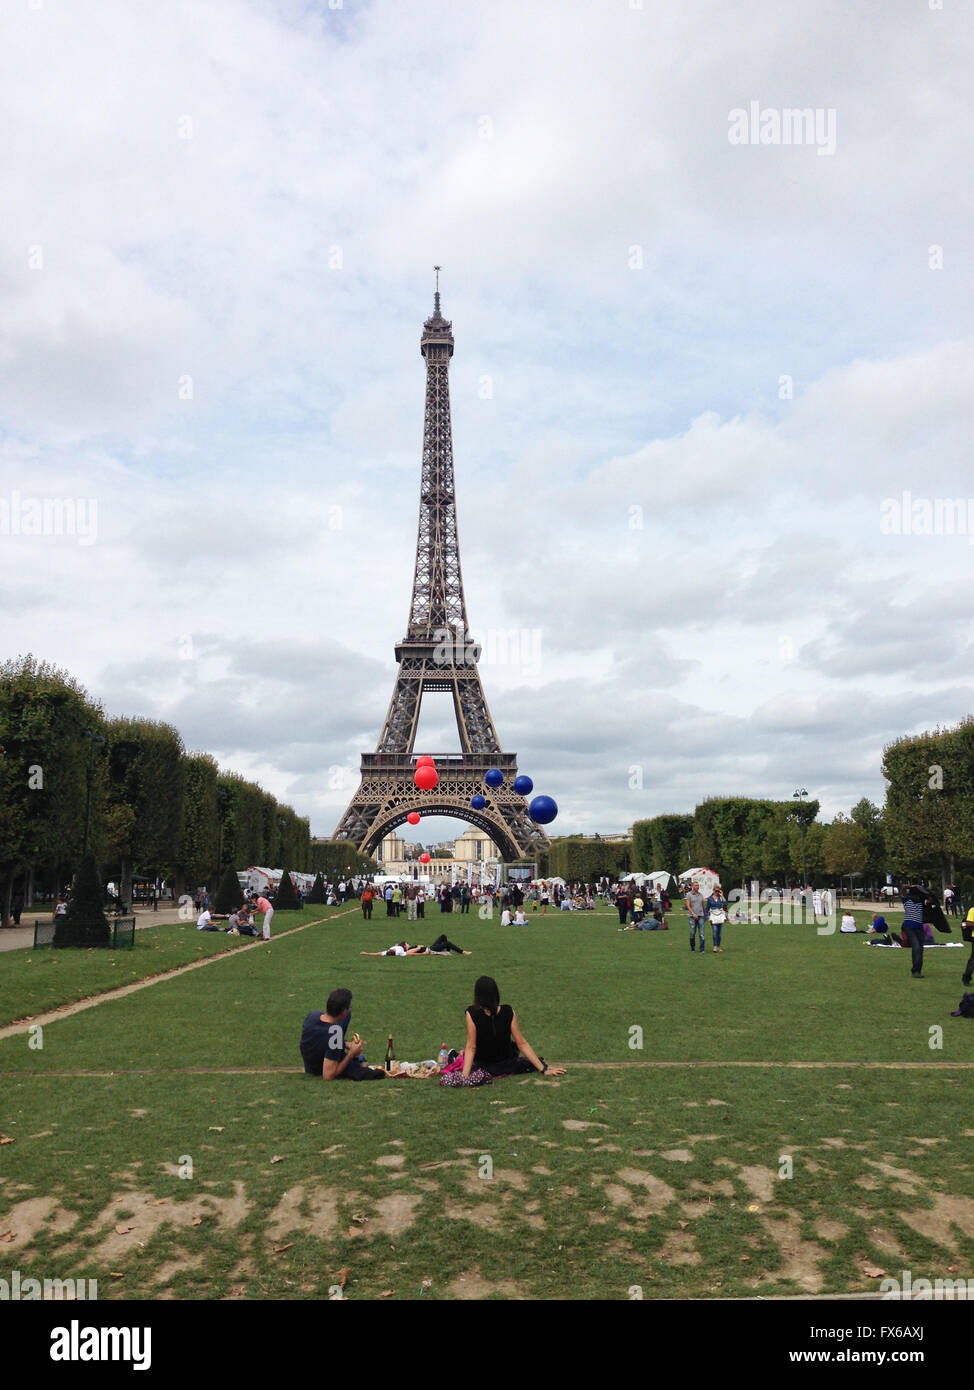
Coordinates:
[438,654]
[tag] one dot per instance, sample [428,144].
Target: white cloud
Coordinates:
[252,195]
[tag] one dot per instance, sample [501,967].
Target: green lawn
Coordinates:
[682,1180]
[32,982]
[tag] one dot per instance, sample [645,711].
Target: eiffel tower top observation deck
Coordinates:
[437,654]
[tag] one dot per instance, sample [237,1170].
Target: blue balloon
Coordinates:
[542,810]
[478,802]
[523,785]
[493,777]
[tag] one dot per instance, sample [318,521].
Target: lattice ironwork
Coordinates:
[438,654]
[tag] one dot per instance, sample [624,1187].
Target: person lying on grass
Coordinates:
[440,947]
[495,1045]
[323,1047]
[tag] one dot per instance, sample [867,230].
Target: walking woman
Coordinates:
[717,915]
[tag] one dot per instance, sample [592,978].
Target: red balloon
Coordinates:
[424,858]
[413,818]
[426,777]
[425,761]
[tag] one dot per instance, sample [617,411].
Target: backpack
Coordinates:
[966,1009]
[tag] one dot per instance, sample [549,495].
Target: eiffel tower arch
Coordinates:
[438,654]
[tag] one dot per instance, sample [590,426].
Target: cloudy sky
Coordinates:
[694,377]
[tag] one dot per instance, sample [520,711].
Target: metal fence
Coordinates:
[121,933]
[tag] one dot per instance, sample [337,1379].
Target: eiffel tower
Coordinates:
[438,654]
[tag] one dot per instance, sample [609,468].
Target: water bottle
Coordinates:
[444,1056]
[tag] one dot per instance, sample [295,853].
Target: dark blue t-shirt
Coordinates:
[321,1041]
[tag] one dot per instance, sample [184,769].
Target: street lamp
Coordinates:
[800,795]
[92,738]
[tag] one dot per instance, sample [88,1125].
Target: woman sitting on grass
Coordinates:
[495,1045]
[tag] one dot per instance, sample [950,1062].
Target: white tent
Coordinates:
[706,878]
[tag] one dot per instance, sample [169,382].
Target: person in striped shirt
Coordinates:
[913,898]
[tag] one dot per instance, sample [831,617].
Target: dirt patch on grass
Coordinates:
[759,1181]
[909,1179]
[723,1187]
[503,1177]
[472,1285]
[389,1161]
[800,1258]
[484,1214]
[321,1219]
[883,1240]
[677,1155]
[394,1214]
[828,1229]
[151,1213]
[173,1267]
[583,1124]
[937,1223]
[31,1218]
[658,1194]
[680,1249]
[697,1209]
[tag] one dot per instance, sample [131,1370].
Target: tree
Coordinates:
[229,895]
[662,843]
[44,713]
[317,894]
[84,923]
[332,857]
[926,800]
[286,899]
[199,844]
[145,797]
[869,818]
[845,847]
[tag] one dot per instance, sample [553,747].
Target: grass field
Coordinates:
[167,1143]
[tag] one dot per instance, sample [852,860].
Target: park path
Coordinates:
[11,1030]
[22,938]
[588,1066]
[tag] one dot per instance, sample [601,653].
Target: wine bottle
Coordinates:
[390,1055]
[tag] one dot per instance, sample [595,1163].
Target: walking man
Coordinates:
[697,910]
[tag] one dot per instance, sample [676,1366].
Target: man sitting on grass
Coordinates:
[323,1048]
[207,921]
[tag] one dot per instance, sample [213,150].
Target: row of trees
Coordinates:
[335,858]
[584,860]
[929,815]
[742,838]
[125,787]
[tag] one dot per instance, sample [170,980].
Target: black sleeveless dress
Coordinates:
[496,1052]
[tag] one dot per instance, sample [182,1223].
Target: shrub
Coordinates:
[229,895]
[285,900]
[84,923]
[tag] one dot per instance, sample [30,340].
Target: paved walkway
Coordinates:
[17,938]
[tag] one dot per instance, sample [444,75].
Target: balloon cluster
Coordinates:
[426,775]
[542,809]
